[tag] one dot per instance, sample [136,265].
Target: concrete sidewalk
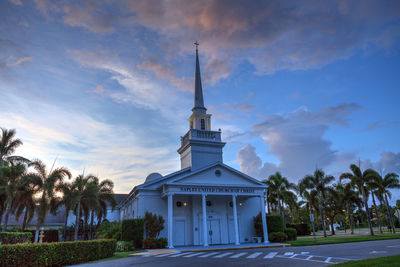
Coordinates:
[211,248]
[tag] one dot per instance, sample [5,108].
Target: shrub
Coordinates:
[123,246]
[15,237]
[153,224]
[301,228]
[277,237]
[109,230]
[291,233]
[154,242]
[56,254]
[274,224]
[132,230]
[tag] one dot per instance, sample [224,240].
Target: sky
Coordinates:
[107,86]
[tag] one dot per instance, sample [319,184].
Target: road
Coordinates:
[322,255]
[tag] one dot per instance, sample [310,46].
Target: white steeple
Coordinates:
[200,146]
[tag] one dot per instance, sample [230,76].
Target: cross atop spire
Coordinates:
[198,90]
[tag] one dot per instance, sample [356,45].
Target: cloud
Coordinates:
[98,90]
[167,72]
[79,141]
[373,126]
[19,61]
[297,140]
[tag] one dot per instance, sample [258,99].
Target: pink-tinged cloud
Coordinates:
[19,61]
[98,90]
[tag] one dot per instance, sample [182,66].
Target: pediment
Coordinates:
[219,174]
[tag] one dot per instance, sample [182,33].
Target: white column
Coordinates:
[170,221]
[264,220]
[235,220]
[205,228]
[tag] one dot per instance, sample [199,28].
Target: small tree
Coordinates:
[153,224]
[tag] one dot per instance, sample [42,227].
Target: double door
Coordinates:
[214,231]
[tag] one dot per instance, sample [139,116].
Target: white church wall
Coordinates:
[249,209]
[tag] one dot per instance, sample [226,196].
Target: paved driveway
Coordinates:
[322,255]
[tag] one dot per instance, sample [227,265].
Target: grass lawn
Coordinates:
[340,239]
[384,261]
[118,255]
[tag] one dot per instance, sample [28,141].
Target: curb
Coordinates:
[236,248]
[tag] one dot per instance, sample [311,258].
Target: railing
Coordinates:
[194,134]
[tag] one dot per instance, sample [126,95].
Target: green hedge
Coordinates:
[301,228]
[291,233]
[56,254]
[274,224]
[277,237]
[123,246]
[14,237]
[132,230]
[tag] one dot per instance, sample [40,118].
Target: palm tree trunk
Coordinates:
[24,220]
[37,231]
[350,219]
[8,210]
[280,212]
[65,225]
[390,215]
[283,215]
[78,214]
[91,225]
[84,226]
[376,213]
[269,209]
[371,231]
[321,211]
[333,228]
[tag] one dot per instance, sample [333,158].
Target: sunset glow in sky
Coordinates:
[108,85]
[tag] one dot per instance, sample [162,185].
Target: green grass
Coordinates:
[118,255]
[340,239]
[384,261]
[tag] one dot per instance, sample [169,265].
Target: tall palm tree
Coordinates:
[12,176]
[8,145]
[359,179]
[372,188]
[68,200]
[85,190]
[105,198]
[334,204]
[350,200]
[318,181]
[390,181]
[279,188]
[47,181]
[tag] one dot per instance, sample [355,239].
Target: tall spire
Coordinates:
[198,90]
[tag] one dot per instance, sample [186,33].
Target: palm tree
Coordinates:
[371,187]
[68,200]
[359,179]
[105,198]
[47,182]
[310,199]
[350,200]
[390,181]
[279,188]
[85,190]
[333,204]
[319,181]
[8,145]
[12,177]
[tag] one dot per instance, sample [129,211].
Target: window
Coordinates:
[203,124]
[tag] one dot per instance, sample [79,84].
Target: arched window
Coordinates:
[203,124]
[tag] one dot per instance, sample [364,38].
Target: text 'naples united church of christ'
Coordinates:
[206,202]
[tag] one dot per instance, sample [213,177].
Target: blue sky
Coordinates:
[108,85]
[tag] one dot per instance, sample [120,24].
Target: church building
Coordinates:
[206,202]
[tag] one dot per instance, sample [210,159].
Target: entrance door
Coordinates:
[214,233]
[179,233]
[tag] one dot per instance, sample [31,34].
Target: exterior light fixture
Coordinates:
[184,204]
[240,204]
